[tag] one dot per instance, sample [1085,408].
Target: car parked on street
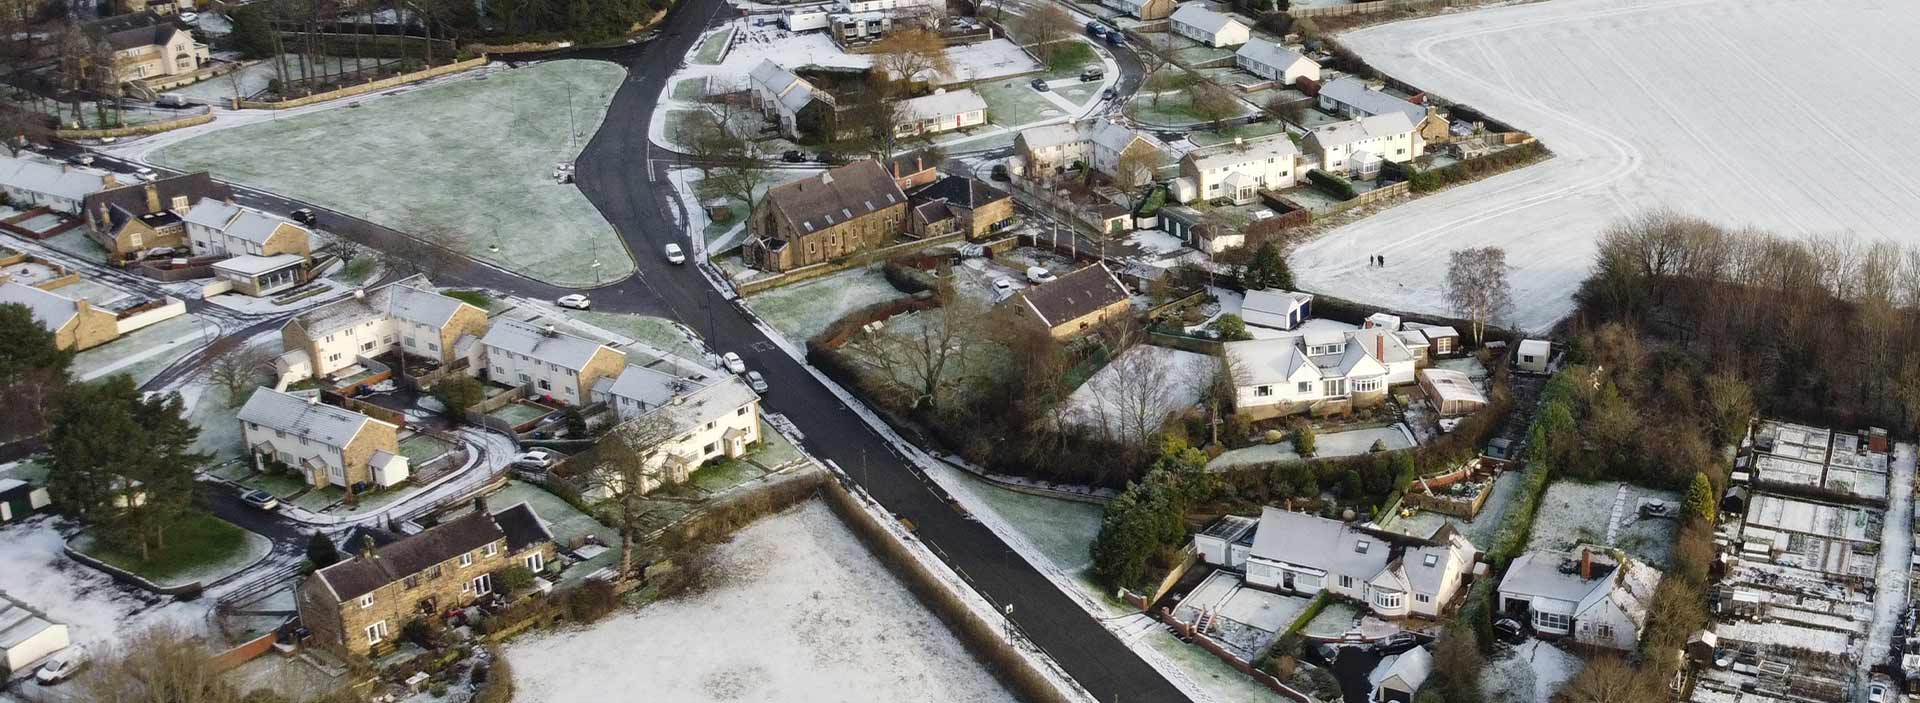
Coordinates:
[305,216]
[575,301]
[537,457]
[757,382]
[1097,30]
[260,500]
[1396,643]
[146,174]
[62,666]
[733,362]
[675,255]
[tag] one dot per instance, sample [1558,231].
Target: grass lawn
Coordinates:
[422,448]
[689,88]
[1080,94]
[197,546]
[476,156]
[518,412]
[803,310]
[1069,58]
[721,476]
[280,485]
[1012,102]
[657,331]
[472,297]
[1175,108]
[1246,132]
[774,449]
[712,47]
[146,352]
[357,269]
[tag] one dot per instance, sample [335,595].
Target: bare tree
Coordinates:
[1610,679]
[1154,54]
[1477,286]
[707,136]
[927,356]
[1212,103]
[1047,27]
[238,368]
[1286,110]
[1134,170]
[625,466]
[1131,402]
[433,248]
[904,56]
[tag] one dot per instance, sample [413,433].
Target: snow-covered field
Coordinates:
[1331,444]
[802,310]
[1527,673]
[1784,115]
[802,613]
[476,154]
[1607,513]
[97,611]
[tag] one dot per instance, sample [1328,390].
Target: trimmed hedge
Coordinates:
[1473,169]
[1334,185]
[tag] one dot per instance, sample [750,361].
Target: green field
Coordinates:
[197,546]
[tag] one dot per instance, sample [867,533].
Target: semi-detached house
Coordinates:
[1356,147]
[1050,150]
[1239,171]
[326,445]
[551,364]
[1308,554]
[1317,371]
[359,605]
[710,417]
[406,315]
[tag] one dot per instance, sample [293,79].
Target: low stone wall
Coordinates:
[525,47]
[138,129]
[1368,8]
[185,590]
[363,88]
[161,84]
[807,273]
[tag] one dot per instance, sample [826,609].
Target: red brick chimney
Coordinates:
[1380,348]
[1586,564]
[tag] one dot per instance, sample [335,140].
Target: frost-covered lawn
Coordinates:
[1576,512]
[97,611]
[1330,444]
[1223,683]
[1169,380]
[1245,132]
[198,548]
[1645,104]
[476,155]
[1528,673]
[801,612]
[802,310]
[147,351]
[657,331]
[713,46]
[1013,102]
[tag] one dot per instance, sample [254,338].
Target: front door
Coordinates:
[1286,580]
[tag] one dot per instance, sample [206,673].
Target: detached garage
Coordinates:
[1451,392]
[19,499]
[26,637]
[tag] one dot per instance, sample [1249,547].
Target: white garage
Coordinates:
[25,636]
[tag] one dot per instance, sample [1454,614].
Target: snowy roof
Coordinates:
[1353,91]
[409,299]
[793,91]
[33,174]
[541,344]
[1050,135]
[1267,53]
[1432,332]
[18,625]
[1426,567]
[946,104]
[1369,127]
[250,265]
[1552,582]
[237,221]
[1315,542]
[685,401]
[329,425]
[1234,155]
[1410,668]
[1193,15]
[1807,517]
[1114,136]
[1272,307]
[1413,338]
[1107,134]
[359,575]
[1270,361]
[1536,347]
[51,309]
[1452,385]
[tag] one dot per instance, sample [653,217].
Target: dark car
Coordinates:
[793,156]
[305,216]
[1116,39]
[999,172]
[1396,643]
[1509,631]
[1096,29]
[1039,84]
[1109,94]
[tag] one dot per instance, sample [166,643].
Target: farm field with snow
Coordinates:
[1721,109]
[800,612]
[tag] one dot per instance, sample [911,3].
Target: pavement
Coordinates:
[625,177]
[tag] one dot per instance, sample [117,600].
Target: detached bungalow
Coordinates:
[942,111]
[1317,372]
[1075,303]
[1306,554]
[30,181]
[1275,63]
[326,445]
[1597,596]
[75,324]
[1215,29]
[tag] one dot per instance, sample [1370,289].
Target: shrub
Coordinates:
[1470,169]
[1232,328]
[321,551]
[1334,185]
[422,631]
[513,579]
[904,278]
[1303,439]
[591,601]
[497,676]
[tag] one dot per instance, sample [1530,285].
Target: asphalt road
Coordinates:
[624,176]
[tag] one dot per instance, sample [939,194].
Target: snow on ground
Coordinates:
[1896,550]
[475,154]
[1331,444]
[802,612]
[802,310]
[1169,379]
[1646,103]
[1576,512]
[253,78]
[146,352]
[96,610]
[1528,673]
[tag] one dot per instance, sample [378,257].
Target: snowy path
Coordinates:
[1613,519]
[1896,557]
[1645,103]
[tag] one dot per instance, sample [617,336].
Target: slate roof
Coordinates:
[237,221]
[329,425]
[841,194]
[1050,135]
[559,348]
[1232,155]
[39,176]
[51,309]
[959,190]
[792,91]
[361,574]
[130,202]
[135,30]
[1267,53]
[1192,14]
[522,526]
[1551,580]
[685,402]
[909,163]
[1075,295]
[1318,543]
[411,299]
[941,105]
[1352,91]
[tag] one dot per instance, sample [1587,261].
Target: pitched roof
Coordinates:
[329,425]
[686,402]
[1350,131]
[133,198]
[522,526]
[792,91]
[362,574]
[1315,542]
[1075,295]
[51,309]
[947,104]
[411,299]
[237,221]
[1267,53]
[555,347]
[1551,580]
[1050,135]
[1270,307]
[33,174]
[1231,155]
[134,30]
[1350,90]
[958,190]
[1114,136]
[907,163]
[1411,667]
[841,194]
[1206,20]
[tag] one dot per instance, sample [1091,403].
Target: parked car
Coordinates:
[999,172]
[733,362]
[537,457]
[146,174]
[1004,285]
[1109,94]
[575,301]
[305,216]
[1096,29]
[260,500]
[82,159]
[1040,84]
[757,382]
[674,255]
[1093,74]
[1509,630]
[62,666]
[1039,274]
[794,156]
[189,17]
[1116,39]
[1396,643]
[172,100]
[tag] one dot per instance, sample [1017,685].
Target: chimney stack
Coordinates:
[366,546]
[153,198]
[1380,348]
[1586,564]
[480,505]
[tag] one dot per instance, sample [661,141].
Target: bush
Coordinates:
[497,676]
[423,632]
[1463,171]
[513,579]
[591,601]
[1232,328]
[1303,439]
[457,393]
[904,278]
[1334,185]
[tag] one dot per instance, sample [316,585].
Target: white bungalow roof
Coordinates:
[33,174]
[1192,14]
[329,425]
[51,309]
[1353,91]
[1315,542]
[947,104]
[1267,53]
[237,220]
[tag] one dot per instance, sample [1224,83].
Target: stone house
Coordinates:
[148,45]
[222,228]
[326,445]
[551,364]
[842,212]
[406,315]
[129,221]
[958,204]
[1595,596]
[359,605]
[75,324]
[1074,304]
[912,169]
